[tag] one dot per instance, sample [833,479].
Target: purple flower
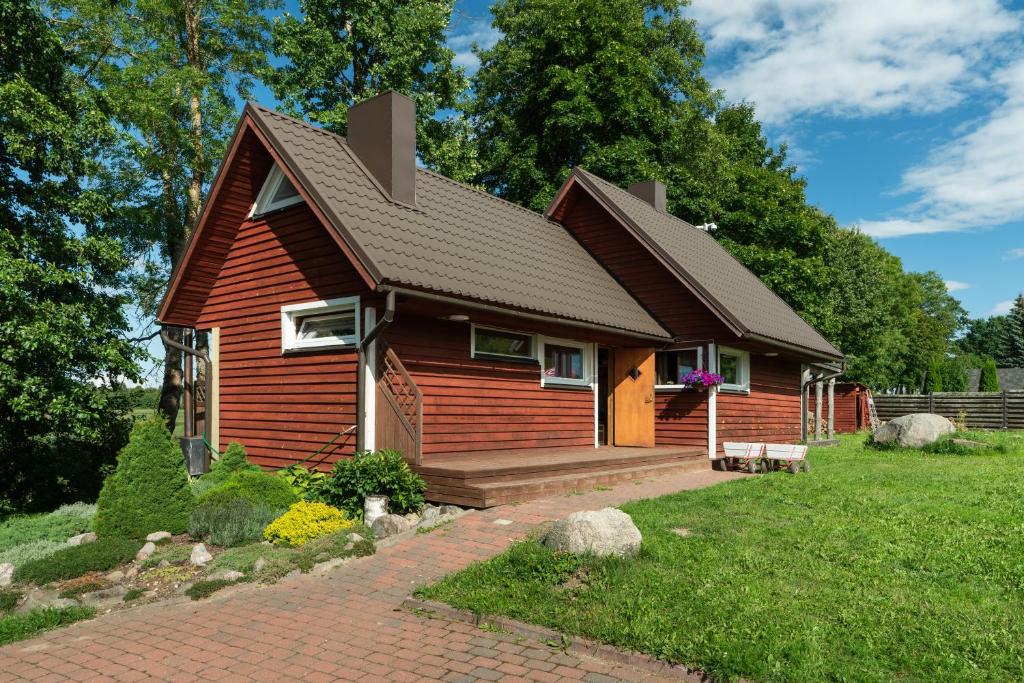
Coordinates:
[702,378]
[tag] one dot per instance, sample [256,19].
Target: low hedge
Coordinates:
[74,561]
[20,626]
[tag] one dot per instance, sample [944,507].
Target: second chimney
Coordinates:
[651,191]
[382,133]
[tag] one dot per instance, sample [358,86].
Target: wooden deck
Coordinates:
[489,478]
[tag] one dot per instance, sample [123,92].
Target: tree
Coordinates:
[1012,346]
[934,376]
[614,86]
[989,380]
[936,319]
[62,325]
[984,336]
[339,54]
[169,73]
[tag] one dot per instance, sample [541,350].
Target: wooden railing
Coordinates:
[399,408]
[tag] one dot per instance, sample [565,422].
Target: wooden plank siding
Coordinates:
[282,408]
[770,412]
[846,414]
[681,418]
[479,405]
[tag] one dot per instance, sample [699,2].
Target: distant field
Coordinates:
[179,428]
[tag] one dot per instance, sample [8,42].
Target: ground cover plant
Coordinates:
[76,560]
[28,537]
[879,565]
[20,626]
[305,521]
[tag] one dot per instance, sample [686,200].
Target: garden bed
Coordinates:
[879,565]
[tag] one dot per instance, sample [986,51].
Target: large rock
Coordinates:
[200,555]
[87,537]
[389,525]
[6,574]
[226,575]
[596,532]
[914,431]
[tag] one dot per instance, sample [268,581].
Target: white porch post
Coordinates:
[368,418]
[831,408]
[712,406]
[213,400]
[817,410]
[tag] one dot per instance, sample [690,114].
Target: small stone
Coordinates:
[158,536]
[450,510]
[390,525]
[430,515]
[356,538]
[412,518]
[104,597]
[163,563]
[200,555]
[259,564]
[6,574]
[61,603]
[145,552]
[503,522]
[131,572]
[321,568]
[292,574]
[349,545]
[87,537]
[226,575]
[969,443]
[115,576]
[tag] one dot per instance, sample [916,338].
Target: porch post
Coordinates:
[368,411]
[213,392]
[817,410]
[805,377]
[712,405]
[831,407]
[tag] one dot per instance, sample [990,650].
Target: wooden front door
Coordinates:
[633,386]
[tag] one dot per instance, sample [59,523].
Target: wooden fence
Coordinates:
[1004,410]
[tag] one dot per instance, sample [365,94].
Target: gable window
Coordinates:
[672,366]
[492,342]
[565,362]
[332,323]
[734,367]
[277,193]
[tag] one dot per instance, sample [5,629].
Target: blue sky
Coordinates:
[905,116]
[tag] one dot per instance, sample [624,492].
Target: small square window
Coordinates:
[565,361]
[502,343]
[672,366]
[734,367]
[320,324]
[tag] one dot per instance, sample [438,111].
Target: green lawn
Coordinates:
[876,566]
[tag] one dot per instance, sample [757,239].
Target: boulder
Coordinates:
[87,537]
[158,536]
[597,532]
[431,513]
[200,555]
[450,510]
[145,551]
[226,575]
[914,431]
[389,525]
[6,574]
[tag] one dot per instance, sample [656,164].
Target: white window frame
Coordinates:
[530,357]
[586,350]
[263,204]
[678,387]
[289,335]
[743,387]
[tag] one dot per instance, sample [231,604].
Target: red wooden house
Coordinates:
[343,290]
[850,413]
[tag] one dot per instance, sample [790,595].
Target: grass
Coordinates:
[876,566]
[79,589]
[20,626]
[8,599]
[204,589]
[74,561]
[28,537]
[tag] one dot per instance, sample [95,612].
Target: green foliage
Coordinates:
[74,561]
[381,473]
[58,525]
[79,589]
[140,398]
[149,491]
[133,594]
[989,380]
[934,376]
[206,588]
[16,627]
[340,54]
[62,318]
[225,518]
[984,336]
[800,578]
[174,554]
[1011,348]
[242,558]
[233,460]
[305,481]
[305,521]
[260,487]
[8,599]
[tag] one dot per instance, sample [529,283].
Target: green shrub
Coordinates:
[34,550]
[21,626]
[174,554]
[87,587]
[305,521]
[225,518]
[58,525]
[260,487]
[204,589]
[134,594]
[149,490]
[304,481]
[233,460]
[366,474]
[946,446]
[76,560]
[934,383]
[9,599]
[989,377]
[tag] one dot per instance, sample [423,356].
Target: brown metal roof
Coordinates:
[456,240]
[738,296]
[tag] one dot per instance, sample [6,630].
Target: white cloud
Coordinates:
[1002,308]
[462,39]
[851,57]
[1014,254]
[956,286]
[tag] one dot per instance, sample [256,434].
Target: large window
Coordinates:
[734,367]
[565,362]
[320,324]
[493,342]
[277,193]
[672,366]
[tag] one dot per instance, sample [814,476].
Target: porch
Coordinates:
[487,478]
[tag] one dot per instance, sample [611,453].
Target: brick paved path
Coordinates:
[343,626]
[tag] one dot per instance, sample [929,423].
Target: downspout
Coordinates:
[361,388]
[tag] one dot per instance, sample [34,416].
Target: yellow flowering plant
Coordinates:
[305,521]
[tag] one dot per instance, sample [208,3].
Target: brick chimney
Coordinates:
[382,133]
[651,191]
